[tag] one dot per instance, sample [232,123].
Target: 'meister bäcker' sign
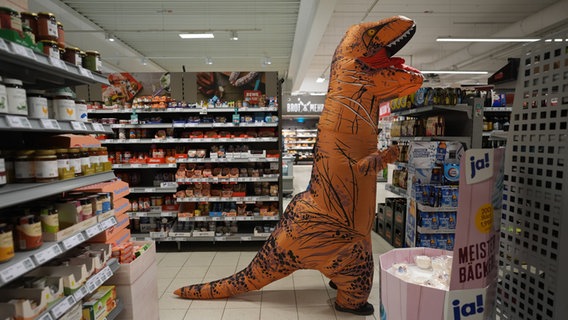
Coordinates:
[303,105]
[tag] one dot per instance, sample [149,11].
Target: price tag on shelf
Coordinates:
[98,127]
[141,214]
[4,46]
[149,189]
[16,270]
[18,122]
[58,63]
[78,125]
[246,238]
[73,241]
[220,238]
[215,218]
[50,124]
[105,274]
[267,218]
[91,285]
[233,179]
[202,199]
[45,316]
[23,51]
[108,223]
[136,165]
[93,231]
[87,73]
[47,254]
[81,293]
[248,218]
[169,184]
[133,140]
[153,165]
[59,309]
[230,218]
[203,111]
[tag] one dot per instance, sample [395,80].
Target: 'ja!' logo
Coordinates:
[478,165]
[468,309]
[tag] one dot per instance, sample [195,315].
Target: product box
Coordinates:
[70,141]
[69,231]
[117,188]
[140,299]
[73,276]
[120,237]
[129,273]
[100,303]
[123,221]
[120,206]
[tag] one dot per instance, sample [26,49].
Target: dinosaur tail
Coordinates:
[265,268]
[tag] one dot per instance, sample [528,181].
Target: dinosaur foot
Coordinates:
[332,285]
[365,310]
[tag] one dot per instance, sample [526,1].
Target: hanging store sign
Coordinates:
[303,105]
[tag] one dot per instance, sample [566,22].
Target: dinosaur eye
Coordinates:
[371,32]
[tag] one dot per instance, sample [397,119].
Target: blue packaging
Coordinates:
[452,216]
[444,220]
[441,240]
[425,220]
[455,195]
[435,222]
[446,198]
[451,173]
[450,240]
[423,240]
[418,193]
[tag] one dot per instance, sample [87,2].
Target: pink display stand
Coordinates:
[471,294]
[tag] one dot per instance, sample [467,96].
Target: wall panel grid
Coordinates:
[534,222]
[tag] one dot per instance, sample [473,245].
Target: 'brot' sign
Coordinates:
[304,105]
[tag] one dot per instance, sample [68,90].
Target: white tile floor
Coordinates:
[303,295]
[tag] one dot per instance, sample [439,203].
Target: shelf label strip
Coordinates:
[47,254]
[17,270]
[50,124]
[18,122]
[62,307]
[73,241]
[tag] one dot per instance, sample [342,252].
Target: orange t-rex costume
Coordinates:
[328,226]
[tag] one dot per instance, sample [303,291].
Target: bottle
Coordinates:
[134,117]
[440,153]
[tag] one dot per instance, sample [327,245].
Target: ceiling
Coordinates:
[299,37]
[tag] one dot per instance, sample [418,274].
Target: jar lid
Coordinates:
[31,14]
[59,24]
[92,52]
[72,48]
[45,152]
[49,42]
[35,91]
[61,150]
[13,81]
[25,152]
[46,14]
[63,94]
[73,150]
[8,9]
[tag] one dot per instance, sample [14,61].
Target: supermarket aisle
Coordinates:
[303,295]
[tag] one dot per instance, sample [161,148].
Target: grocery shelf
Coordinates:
[226,160]
[228,180]
[464,139]
[189,140]
[434,109]
[497,109]
[227,199]
[15,193]
[225,218]
[425,208]
[193,109]
[434,231]
[23,123]
[237,237]
[153,190]
[151,214]
[144,165]
[397,190]
[195,125]
[26,261]
[39,70]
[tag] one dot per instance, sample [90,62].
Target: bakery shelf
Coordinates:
[226,160]
[26,261]
[227,199]
[42,71]
[237,218]
[15,193]
[185,110]
[144,165]
[189,140]
[152,190]
[434,109]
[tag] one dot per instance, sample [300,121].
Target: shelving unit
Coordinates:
[300,143]
[39,71]
[180,123]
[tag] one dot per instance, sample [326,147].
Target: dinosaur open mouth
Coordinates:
[383,58]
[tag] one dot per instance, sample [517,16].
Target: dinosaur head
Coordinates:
[372,46]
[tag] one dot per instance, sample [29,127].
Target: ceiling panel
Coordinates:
[298,36]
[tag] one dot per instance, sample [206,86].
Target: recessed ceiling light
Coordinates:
[196,35]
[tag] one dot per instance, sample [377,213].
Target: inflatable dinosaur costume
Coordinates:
[328,226]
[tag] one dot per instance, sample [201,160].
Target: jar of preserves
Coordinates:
[16,96]
[73,56]
[24,166]
[92,61]
[10,19]
[86,166]
[46,26]
[94,157]
[49,217]
[60,35]
[29,33]
[29,19]
[103,158]
[45,164]
[64,169]
[75,161]
[3,97]
[86,208]
[28,233]
[81,109]
[37,104]
[50,48]
[6,243]
[64,106]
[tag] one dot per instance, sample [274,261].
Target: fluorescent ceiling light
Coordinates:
[450,39]
[234,35]
[318,93]
[208,60]
[320,80]
[196,35]
[454,72]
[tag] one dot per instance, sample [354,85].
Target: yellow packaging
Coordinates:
[49,222]
[6,244]
[100,304]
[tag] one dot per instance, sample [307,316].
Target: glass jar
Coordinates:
[6,243]
[50,48]
[75,161]
[28,233]
[37,104]
[10,19]
[64,169]
[60,35]
[86,165]
[45,164]
[46,26]
[86,208]
[49,217]
[92,61]
[16,96]
[24,166]
[73,56]
[29,19]
[94,157]
[81,109]
[103,155]
[3,97]
[64,106]
[29,33]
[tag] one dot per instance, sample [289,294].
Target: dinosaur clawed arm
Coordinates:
[377,161]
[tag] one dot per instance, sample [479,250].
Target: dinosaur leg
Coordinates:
[354,280]
[270,264]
